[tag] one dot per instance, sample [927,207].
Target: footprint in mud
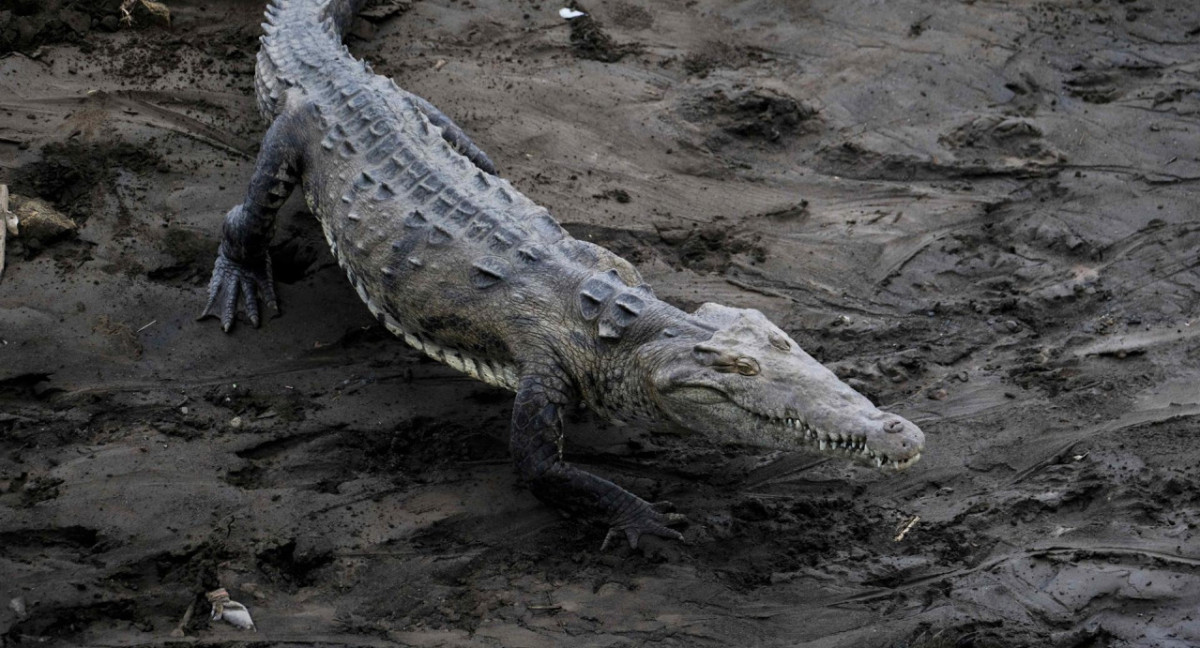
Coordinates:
[1000,140]
[717,55]
[754,115]
[1107,86]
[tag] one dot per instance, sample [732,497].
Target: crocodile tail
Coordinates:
[299,36]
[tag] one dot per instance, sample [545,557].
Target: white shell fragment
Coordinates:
[234,613]
[569,14]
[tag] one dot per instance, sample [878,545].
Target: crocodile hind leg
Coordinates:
[456,136]
[536,447]
[243,266]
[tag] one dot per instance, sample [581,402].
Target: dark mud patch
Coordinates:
[629,16]
[195,567]
[301,250]
[71,537]
[26,25]
[590,41]
[70,173]
[27,386]
[193,253]
[247,403]
[290,566]
[711,247]
[418,446]
[57,622]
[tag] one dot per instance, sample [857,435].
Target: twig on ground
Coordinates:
[187,618]
[907,527]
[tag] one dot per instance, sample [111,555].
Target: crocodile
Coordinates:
[450,257]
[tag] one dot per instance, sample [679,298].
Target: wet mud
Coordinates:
[980,214]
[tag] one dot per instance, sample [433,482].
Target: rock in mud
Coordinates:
[40,223]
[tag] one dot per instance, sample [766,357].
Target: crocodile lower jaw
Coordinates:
[837,444]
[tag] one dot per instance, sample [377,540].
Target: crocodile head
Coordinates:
[750,383]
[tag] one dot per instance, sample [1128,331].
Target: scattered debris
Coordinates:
[907,527]
[17,605]
[152,323]
[234,613]
[589,41]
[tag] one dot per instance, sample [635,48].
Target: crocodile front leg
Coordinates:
[536,447]
[243,266]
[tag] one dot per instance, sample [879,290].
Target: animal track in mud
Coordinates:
[708,248]
[994,138]
[716,55]
[194,253]
[1106,86]
[854,160]
[757,114]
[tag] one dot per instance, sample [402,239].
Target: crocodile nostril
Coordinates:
[893,426]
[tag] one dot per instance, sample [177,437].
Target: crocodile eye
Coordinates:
[746,366]
[779,342]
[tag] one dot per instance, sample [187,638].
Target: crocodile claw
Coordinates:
[250,281]
[645,520]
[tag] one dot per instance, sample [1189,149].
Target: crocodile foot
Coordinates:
[252,280]
[645,519]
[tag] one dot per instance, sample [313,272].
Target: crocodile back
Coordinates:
[301,38]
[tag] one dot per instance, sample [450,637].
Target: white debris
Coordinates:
[4,214]
[234,613]
[570,14]
[10,219]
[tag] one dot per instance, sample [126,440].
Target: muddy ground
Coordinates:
[980,213]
